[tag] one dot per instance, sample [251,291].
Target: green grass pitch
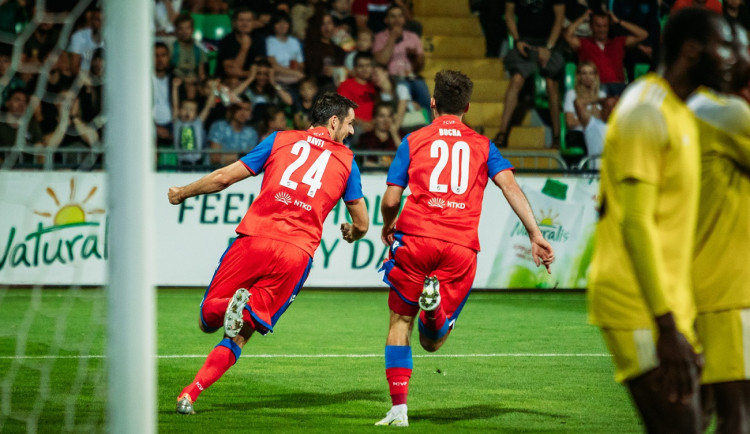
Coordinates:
[516,362]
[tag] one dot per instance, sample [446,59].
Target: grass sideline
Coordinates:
[516,362]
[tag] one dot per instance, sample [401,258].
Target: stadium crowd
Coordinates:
[228,73]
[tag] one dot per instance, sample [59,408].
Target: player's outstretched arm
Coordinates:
[676,357]
[541,250]
[389,208]
[215,181]
[357,229]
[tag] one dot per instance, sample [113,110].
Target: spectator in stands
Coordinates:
[493,26]
[536,28]
[90,97]
[11,81]
[345,25]
[165,14]
[232,134]
[714,5]
[300,15]
[188,60]
[370,14]
[188,126]
[585,88]
[285,52]
[40,44]
[261,89]
[70,131]
[161,82]
[736,11]
[14,110]
[308,90]
[383,137]
[646,15]
[402,51]
[12,12]
[363,91]
[606,53]
[594,127]
[273,120]
[84,42]
[240,48]
[324,58]
[364,45]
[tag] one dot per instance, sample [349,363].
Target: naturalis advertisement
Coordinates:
[54,231]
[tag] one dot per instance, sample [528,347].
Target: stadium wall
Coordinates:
[54,231]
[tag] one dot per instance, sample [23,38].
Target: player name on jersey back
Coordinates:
[449,132]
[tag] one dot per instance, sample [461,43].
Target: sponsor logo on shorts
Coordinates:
[283,198]
[436,202]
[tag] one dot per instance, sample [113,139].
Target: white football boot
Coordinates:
[185,405]
[396,416]
[430,298]
[233,321]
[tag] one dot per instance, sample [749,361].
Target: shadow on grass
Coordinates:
[474,412]
[296,399]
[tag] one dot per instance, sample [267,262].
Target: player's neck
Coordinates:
[678,80]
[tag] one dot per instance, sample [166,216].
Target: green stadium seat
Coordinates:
[212,27]
[640,69]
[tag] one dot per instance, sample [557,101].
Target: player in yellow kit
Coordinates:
[640,290]
[720,268]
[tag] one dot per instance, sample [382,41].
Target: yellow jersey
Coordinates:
[652,137]
[722,246]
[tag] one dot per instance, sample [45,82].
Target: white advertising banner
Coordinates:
[54,231]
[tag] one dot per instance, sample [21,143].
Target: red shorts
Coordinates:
[413,258]
[272,271]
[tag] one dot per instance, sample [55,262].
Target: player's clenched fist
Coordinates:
[174,195]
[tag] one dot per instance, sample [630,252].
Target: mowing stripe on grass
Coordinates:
[321,356]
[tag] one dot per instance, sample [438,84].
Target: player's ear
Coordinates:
[432,103]
[466,109]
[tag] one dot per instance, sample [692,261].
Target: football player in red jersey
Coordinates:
[260,274]
[434,242]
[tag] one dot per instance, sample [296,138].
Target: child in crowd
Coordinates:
[187,128]
[308,89]
[383,137]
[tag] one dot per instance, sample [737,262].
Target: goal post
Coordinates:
[130,160]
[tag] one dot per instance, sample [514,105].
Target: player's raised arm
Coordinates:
[215,181]
[541,250]
[357,229]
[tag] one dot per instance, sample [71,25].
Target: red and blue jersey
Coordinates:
[446,166]
[306,173]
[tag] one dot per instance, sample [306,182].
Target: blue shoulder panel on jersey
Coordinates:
[496,163]
[256,159]
[398,173]
[353,184]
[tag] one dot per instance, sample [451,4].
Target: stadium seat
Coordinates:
[211,27]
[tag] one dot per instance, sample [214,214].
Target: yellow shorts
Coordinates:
[725,336]
[634,351]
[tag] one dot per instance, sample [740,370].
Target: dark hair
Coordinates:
[392,7]
[692,23]
[452,92]
[270,111]
[328,105]
[601,13]
[241,10]
[160,44]
[280,16]
[381,105]
[184,18]
[364,55]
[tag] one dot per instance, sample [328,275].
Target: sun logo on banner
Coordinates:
[549,217]
[72,212]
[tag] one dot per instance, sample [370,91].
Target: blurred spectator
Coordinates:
[323,58]
[301,13]
[714,5]
[91,93]
[364,45]
[84,42]
[261,89]
[345,25]
[402,51]
[585,88]
[644,14]
[273,120]
[239,49]
[371,14]
[232,134]
[71,131]
[409,115]
[12,13]
[536,28]
[206,6]
[308,89]
[11,81]
[165,14]
[40,44]
[363,92]
[188,126]
[161,82]
[594,127]
[285,52]
[10,122]
[383,137]
[606,53]
[188,60]
[493,26]
[736,11]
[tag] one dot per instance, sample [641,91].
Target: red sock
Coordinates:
[398,383]
[435,319]
[219,360]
